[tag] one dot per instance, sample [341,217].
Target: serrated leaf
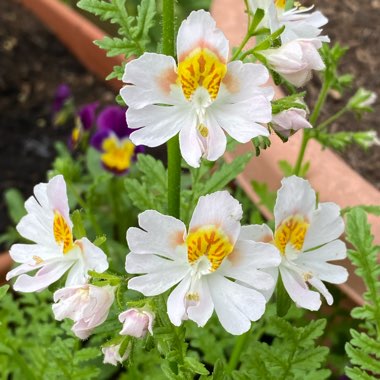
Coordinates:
[146,12]
[118,46]
[196,366]
[362,359]
[225,174]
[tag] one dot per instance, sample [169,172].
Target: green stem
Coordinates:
[301,153]
[240,344]
[174,154]
[313,120]
[331,119]
[241,46]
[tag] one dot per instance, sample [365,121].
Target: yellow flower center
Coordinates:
[62,233]
[203,68]
[292,230]
[210,242]
[280,3]
[117,154]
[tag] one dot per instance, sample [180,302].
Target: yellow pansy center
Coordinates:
[280,3]
[291,231]
[117,153]
[209,242]
[62,232]
[201,68]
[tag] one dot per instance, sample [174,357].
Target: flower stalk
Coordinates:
[174,155]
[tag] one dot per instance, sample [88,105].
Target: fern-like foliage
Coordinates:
[292,355]
[364,347]
[133,31]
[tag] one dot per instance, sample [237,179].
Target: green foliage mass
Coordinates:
[292,355]
[364,347]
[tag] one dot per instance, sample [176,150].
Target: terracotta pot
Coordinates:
[334,180]
[5,266]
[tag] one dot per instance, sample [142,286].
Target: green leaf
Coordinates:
[267,197]
[370,209]
[286,168]
[116,46]
[225,174]
[15,204]
[79,230]
[196,366]
[3,291]
[146,12]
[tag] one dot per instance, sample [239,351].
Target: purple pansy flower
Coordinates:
[62,93]
[112,140]
[84,122]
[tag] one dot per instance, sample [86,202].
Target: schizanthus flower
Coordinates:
[112,140]
[201,98]
[212,266]
[112,354]
[289,121]
[137,322]
[307,237]
[54,251]
[87,305]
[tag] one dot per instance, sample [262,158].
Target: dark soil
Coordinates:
[355,24]
[32,64]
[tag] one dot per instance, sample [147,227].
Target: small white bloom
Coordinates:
[295,60]
[289,121]
[87,305]
[112,355]
[204,263]
[137,322]
[307,238]
[299,22]
[48,225]
[201,98]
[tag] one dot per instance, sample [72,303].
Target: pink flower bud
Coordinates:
[87,305]
[112,355]
[136,322]
[296,59]
[289,121]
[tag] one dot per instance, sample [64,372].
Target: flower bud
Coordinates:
[289,121]
[136,322]
[86,305]
[295,60]
[112,355]
[362,101]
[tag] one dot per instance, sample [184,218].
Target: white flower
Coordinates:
[87,305]
[295,60]
[204,262]
[289,121]
[307,238]
[48,225]
[137,322]
[299,22]
[112,355]
[201,98]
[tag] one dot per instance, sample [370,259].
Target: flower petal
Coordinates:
[149,80]
[240,120]
[242,82]
[298,290]
[320,286]
[57,195]
[158,124]
[199,31]
[256,232]
[219,209]
[335,250]
[177,302]
[202,311]
[159,234]
[43,278]
[326,225]
[159,281]
[235,305]
[295,197]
